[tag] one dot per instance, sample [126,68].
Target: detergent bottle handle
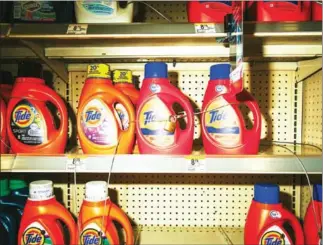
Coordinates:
[118,215]
[254,108]
[292,220]
[60,105]
[130,110]
[10,225]
[69,222]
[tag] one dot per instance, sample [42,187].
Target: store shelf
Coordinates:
[190,235]
[152,41]
[270,161]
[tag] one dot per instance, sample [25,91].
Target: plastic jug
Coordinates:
[97,215]
[8,229]
[30,124]
[316,11]
[208,11]
[266,11]
[39,224]
[266,217]
[311,231]
[11,208]
[18,188]
[223,127]
[157,130]
[3,128]
[110,11]
[98,117]
[123,81]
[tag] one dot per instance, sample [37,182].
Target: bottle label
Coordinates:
[92,235]
[35,234]
[98,123]
[153,123]
[122,76]
[100,7]
[27,124]
[34,11]
[274,235]
[123,116]
[222,123]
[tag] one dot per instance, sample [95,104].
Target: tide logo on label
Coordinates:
[91,237]
[23,116]
[217,115]
[92,116]
[33,236]
[150,117]
[272,238]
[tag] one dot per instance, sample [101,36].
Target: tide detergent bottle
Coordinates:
[97,215]
[11,208]
[99,127]
[30,123]
[3,128]
[266,218]
[223,127]
[157,127]
[313,218]
[39,223]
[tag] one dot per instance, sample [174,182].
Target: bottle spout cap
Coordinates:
[317,192]
[41,190]
[266,193]
[96,191]
[220,71]
[122,76]
[4,188]
[156,70]
[15,184]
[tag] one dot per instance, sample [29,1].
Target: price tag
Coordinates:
[204,28]
[77,29]
[196,164]
[75,164]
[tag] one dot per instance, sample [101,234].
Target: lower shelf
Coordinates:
[270,160]
[189,235]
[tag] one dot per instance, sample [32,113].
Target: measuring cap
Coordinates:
[266,193]
[220,71]
[98,71]
[4,187]
[15,184]
[41,190]
[96,191]
[317,192]
[122,76]
[156,70]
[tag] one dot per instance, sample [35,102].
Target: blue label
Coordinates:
[224,2]
[231,130]
[98,8]
[292,2]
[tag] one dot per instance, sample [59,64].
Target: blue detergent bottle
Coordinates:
[11,208]
[18,188]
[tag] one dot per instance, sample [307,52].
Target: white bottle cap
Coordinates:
[41,190]
[96,191]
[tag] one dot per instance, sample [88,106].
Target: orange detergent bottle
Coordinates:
[123,81]
[39,224]
[158,131]
[223,127]
[3,139]
[96,217]
[30,123]
[101,106]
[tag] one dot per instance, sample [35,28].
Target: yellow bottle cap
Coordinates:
[98,71]
[122,76]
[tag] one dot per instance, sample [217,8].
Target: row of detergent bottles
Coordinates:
[37,217]
[110,117]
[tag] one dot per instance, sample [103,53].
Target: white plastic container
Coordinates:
[109,11]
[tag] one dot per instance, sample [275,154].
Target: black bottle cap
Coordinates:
[30,69]
[6,77]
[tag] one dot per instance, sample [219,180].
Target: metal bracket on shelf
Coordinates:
[308,68]
[56,66]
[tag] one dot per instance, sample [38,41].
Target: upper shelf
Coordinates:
[270,160]
[148,41]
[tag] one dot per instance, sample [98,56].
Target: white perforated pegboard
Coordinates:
[185,200]
[312,110]
[272,89]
